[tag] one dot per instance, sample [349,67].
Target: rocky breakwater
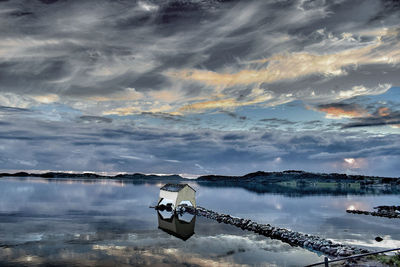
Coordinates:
[381,211]
[293,238]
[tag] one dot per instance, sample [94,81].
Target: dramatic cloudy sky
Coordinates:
[200,86]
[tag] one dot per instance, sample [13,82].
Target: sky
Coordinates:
[198,87]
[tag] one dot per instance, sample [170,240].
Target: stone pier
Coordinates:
[293,238]
[392,212]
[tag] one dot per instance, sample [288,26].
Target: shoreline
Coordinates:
[272,176]
[289,183]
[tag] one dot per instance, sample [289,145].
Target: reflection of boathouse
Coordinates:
[177,226]
[178,194]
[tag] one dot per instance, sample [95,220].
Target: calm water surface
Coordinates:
[109,223]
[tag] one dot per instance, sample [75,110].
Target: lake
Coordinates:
[109,223]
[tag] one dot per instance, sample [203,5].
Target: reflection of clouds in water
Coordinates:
[58,198]
[351,207]
[240,249]
[168,256]
[71,218]
[387,242]
[166,214]
[24,189]
[355,202]
[83,182]
[152,249]
[186,217]
[321,215]
[361,230]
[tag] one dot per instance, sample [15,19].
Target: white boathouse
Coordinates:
[176,194]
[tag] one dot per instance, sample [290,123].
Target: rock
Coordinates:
[378,239]
[333,251]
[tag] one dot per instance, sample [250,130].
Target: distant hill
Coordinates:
[294,174]
[299,183]
[260,176]
[291,183]
[87,175]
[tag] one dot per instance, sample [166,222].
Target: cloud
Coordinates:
[164,116]
[360,90]
[23,102]
[121,146]
[4,109]
[46,99]
[352,163]
[367,115]
[290,67]
[296,65]
[278,121]
[383,116]
[96,119]
[342,110]
[192,55]
[223,104]
[128,94]
[94,84]
[145,109]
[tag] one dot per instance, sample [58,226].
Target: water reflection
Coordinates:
[180,226]
[293,188]
[45,221]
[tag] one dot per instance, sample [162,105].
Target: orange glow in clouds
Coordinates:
[384,112]
[338,113]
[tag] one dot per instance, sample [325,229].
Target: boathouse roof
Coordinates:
[175,187]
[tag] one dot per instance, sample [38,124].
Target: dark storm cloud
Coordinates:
[164,116]
[278,121]
[25,135]
[48,2]
[267,136]
[21,13]
[312,124]
[4,109]
[342,106]
[234,115]
[233,137]
[389,118]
